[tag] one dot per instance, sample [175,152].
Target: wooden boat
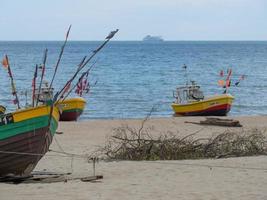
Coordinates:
[190,101]
[25,136]
[71,108]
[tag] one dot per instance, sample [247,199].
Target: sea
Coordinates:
[132,77]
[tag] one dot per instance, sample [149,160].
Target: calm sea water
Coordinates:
[134,76]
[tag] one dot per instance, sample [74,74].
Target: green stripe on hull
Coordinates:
[32,124]
[73,110]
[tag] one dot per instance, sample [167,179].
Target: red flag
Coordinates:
[228,83]
[229,74]
[15,101]
[79,89]
[221,73]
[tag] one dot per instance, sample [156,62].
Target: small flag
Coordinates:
[221,83]
[79,89]
[242,77]
[15,101]
[5,62]
[87,88]
[229,71]
[228,83]
[221,73]
[111,34]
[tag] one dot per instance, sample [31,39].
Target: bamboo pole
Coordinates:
[42,76]
[34,84]
[107,39]
[14,92]
[60,56]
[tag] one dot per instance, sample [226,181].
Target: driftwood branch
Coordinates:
[127,143]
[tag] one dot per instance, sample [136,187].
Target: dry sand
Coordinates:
[232,178]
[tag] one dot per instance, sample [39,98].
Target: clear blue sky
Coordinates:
[172,19]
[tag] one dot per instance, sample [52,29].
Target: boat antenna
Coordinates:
[86,61]
[185,73]
[60,56]
[42,76]
[6,64]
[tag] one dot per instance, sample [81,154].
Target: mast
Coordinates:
[42,76]
[14,91]
[60,56]
[86,61]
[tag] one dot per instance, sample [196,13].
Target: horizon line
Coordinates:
[135,41]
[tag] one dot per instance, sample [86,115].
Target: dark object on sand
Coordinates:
[218,122]
[47,178]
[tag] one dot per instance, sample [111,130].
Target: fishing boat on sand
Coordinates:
[25,136]
[71,108]
[190,101]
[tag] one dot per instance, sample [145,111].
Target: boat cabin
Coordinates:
[45,95]
[188,93]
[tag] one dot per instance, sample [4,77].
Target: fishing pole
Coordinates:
[42,76]
[60,56]
[14,92]
[94,52]
[34,84]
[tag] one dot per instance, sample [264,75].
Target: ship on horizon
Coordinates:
[150,38]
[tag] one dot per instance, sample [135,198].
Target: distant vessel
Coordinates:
[150,38]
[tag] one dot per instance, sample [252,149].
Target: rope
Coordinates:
[69,155]
[83,156]
[209,166]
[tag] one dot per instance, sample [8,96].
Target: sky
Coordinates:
[171,19]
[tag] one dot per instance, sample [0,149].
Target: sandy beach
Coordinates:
[230,178]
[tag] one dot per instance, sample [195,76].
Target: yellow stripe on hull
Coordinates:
[72,103]
[206,104]
[39,111]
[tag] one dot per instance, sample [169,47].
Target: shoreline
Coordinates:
[170,116]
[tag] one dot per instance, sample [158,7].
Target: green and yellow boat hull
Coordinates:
[25,136]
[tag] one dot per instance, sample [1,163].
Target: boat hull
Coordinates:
[70,115]
[24,141]
[218,105]
[72,108]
